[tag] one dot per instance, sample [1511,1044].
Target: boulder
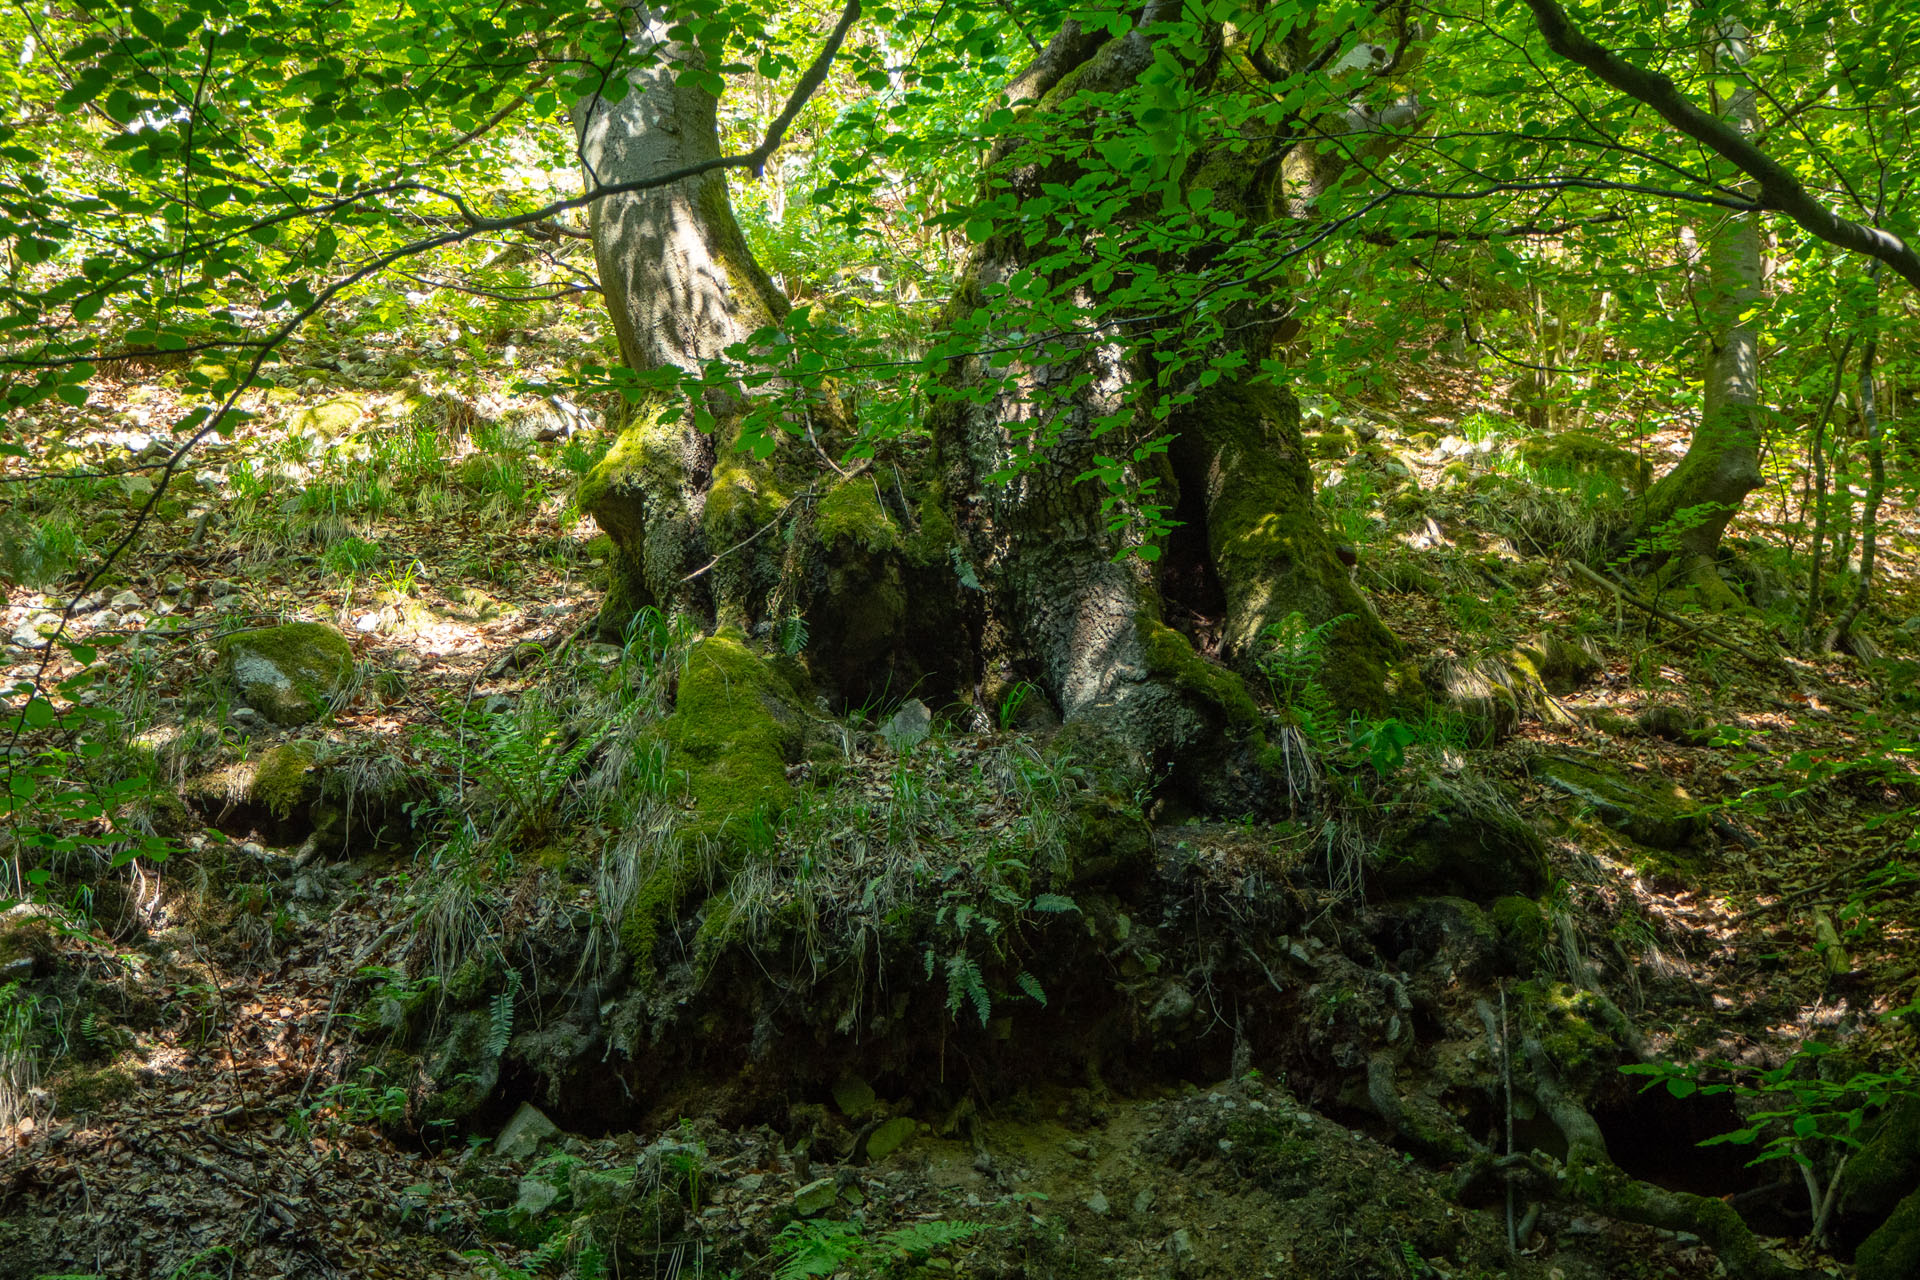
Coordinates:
[523,1135]
[290,673]
[1578,455]
[1893,1252]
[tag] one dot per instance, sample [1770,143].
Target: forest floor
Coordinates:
[200,1091]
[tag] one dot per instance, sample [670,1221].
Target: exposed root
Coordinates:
[1596,1180]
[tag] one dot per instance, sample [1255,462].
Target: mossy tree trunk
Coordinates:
[1684,516]
[682,286]
[1066,607]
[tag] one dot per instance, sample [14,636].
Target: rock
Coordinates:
[815,1198]
[854,1097]
[909,726]
[1676,724]
[329,419]
[1180,1246]
[889,1138]
[524,1133]
[1560,665]
[247,720]
[1143,1202]
[288,673]
[1572,458]
[1656,813]
[1097,1204]
[126,600]
[536,1196]
[1463,839]
[1893,1251]
[1887,1168]
[1173,1006]
[32,634]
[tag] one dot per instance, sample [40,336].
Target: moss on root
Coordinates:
[1172,658]
[735,727]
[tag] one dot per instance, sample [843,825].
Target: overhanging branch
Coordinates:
[1779,190]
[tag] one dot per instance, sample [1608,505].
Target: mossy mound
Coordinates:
[303,789]
[288,673]
[1466,840]
[1893,1252]
[736,726]
[1560,665]
[1572,457]
[329,419]
[1653,812]
[1886,1168]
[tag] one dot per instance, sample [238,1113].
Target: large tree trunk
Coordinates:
[1686,513]
[1067,608]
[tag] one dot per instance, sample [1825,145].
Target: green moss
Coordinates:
[287,673]
[330,418]
[280,778]
[1520,923]
[851,513]
[1887,1167]
[1572,457]
[80,1090]
[735,727]
[938,535]
[645,459]
[1893,1251]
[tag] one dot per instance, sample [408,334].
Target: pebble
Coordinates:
[1098,1204]
[126,600]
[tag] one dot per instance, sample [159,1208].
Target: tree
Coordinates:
[1105,437]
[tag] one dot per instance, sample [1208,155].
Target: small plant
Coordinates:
[1797,1104]
[815,1247]
[351,557]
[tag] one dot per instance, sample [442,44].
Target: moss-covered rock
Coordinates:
[1577,456]
[1559,664]
[1462,839]
[1893,1251]
[305,790]
[851,515]
[1887,1168]
[1657,813]
[290,673]
[329,419]
[1522,927]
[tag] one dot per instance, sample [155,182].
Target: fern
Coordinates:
[1031,985]
[923,1238]
[965,984]
[814,1248]
[501,1029]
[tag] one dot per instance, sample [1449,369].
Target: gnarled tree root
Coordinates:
[1594,1179]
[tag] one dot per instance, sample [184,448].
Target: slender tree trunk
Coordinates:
[682,286]
[1876,474]
[1686,513]
[1821,494]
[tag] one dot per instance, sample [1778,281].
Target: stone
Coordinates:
[1143,1202]
[126,600]
[909,726]
[536,1196]
[1656,813]
[854,1097]
[815,1198]
[287,673]
[524,1133]
[1887,1168]
[889,1138]
[1098,1204]
[1185,1257]
[1572,457]
[1174,1004]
